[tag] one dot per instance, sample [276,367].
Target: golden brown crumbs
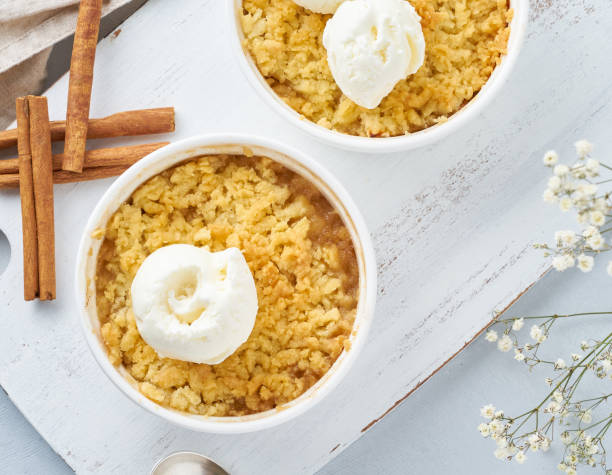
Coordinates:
[465,40]
[302,260]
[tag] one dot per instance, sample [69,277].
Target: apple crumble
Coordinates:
[298,250]
[464,41]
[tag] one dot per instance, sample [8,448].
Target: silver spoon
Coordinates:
[187,463]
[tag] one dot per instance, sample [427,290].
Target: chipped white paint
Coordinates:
[452,226]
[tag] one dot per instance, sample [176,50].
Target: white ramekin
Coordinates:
[167,157]
[389,144]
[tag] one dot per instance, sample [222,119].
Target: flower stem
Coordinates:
[539,317]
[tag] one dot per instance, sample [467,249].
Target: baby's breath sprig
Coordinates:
[579,188]
[534,430]
[580,423]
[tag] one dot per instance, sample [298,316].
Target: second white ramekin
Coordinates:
[389,144]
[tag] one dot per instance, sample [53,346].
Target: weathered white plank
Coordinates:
[452,225]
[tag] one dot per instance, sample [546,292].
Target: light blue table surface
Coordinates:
[434,430]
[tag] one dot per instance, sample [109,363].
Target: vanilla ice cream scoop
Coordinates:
[194,305]
[320,6]
[371,45]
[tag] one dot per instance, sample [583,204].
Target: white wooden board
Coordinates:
[452,224]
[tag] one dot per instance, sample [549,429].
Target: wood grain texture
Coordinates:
[453,226]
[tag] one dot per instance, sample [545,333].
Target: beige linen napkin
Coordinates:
[28,28]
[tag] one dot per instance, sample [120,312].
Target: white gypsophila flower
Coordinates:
[586,417]
[518,324]
[535,332]
[586,191]
[600,204]
[553,407]
[570,471]
[534,442]
[593,238]
[590,462]
[549,196]
[504,344]
[592,166]
[545,444]
[597,218]
[496,427]
[596,242]
[487,411]
[484,429]
[583,148]
[560,364]
[550,158]
[520,457]
[542,338]
[565,238]
[579,171]
[569,185]
[562,467]
[606,365]
[499,414]
[548,381]
[554,183]
[563,262]
[491,336]
[576,356]
[502,443]
[589,232]
[558,396]
[585,263]
[561,170]
[609,268]
[558,263]
[518,355]
[566,438]
[565,204]
[584,345]
[582,218]
[500,453]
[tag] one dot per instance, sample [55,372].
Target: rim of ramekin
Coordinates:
[411,141]
[168,157]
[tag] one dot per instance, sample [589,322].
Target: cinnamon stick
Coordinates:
[103,157]
[80,83]
[26,192]
[42,173]
[11,180]
[129,123]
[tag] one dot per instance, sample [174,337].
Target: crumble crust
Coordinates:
[465,40]
[302,259]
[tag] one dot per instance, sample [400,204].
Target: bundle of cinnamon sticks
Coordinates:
[36,169]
